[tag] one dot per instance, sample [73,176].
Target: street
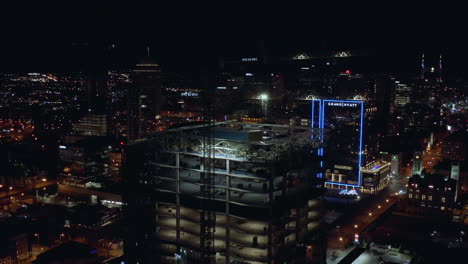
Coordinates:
[370,210]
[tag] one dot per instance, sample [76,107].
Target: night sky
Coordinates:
[64,36]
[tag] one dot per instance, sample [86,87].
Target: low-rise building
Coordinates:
[432,191]
[71,253]
[375,176]
[14,243]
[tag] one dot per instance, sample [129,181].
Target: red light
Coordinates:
[277,76]
[121,143]
[348,72]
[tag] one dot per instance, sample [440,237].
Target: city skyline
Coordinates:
[231,133]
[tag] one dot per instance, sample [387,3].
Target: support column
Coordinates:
[228,215]
[178,201]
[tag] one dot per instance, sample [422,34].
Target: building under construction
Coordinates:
[224,193]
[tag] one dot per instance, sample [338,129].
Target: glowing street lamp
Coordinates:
[264,98]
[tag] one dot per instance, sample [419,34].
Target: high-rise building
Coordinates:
[266,201]
[83,159]
[144,98]
[91,125]
[343,124]
[96,93]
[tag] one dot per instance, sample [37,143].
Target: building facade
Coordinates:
[343,123]
[265,201]
[432,192]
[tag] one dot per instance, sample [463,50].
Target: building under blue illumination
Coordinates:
[343,122]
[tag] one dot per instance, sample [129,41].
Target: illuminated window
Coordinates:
[429,197]
[443,199]
[423,197]
[417,190]
[442,208]
[417,196]
[410,195]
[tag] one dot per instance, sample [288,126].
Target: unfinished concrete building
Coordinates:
[264,196]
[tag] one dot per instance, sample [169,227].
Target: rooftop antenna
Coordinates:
[148,50]
[440,68]
[422,66]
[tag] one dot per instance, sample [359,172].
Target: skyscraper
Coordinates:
[144,98]
[343,124]
[96,88]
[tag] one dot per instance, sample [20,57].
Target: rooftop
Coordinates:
[66,251]
[235,140]
[458,136]
[429,180]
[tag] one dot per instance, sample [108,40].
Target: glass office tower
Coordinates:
[343,122]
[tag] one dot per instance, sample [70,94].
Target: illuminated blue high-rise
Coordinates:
[342,121]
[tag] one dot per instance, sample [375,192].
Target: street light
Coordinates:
[355,226]
[379,206]
[341,239]
[370,214]
[264,98]
[387,200]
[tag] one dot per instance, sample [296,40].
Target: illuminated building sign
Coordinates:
[348,192]
[190,94]
[342,54]
[343,167]
[249,59]
[342,104]
[356,237]
[342,122]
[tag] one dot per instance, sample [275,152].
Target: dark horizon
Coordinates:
[42,37]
